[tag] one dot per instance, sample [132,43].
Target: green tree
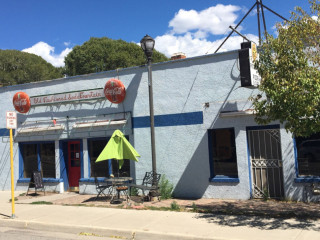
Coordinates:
[102,54]
[18,67]
[289,65]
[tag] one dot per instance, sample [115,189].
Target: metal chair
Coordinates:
[149,183]
[101,187]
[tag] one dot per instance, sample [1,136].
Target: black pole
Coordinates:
[235,27]
[153,148]
[239,33]
[263,18]
[274,12]
[258,15]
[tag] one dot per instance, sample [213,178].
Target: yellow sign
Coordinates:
[254,52]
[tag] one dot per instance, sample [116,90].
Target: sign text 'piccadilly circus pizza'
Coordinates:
[114,91]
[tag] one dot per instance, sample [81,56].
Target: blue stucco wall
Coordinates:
[188,96]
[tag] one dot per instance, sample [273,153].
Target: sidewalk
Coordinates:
[147,224]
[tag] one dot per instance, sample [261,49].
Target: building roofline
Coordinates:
[123,69]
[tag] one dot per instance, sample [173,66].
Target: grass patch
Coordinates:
[89,234]
[158,208]
[80,205]
[194,207]
[174,207]
[42,202]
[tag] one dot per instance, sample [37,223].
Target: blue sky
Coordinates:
[52,28]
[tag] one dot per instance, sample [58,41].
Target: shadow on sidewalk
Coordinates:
[4,215]
[263,223]
[266,215]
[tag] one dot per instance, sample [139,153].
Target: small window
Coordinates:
[223,155]
[308,151]
[30,159]
[99,169]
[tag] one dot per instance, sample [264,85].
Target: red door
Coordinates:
[74,163]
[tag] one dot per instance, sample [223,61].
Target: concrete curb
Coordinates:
[104,232]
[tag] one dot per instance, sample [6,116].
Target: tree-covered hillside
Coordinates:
[18,67]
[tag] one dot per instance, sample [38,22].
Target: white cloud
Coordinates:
[191,30]
[253,12]
[214,20]
[192,46]
[200,34]
[275,30]
[46,51]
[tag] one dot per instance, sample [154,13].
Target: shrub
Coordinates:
[15,199]
[166,188]
[134,191]
[266,195]
[175,206]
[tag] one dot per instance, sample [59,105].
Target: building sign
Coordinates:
[21,102]
[247,56]
[115,91]
[11,120]
[67,97]
[255,77]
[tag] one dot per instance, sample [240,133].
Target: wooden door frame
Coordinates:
[69,162]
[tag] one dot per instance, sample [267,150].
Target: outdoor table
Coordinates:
[117,184]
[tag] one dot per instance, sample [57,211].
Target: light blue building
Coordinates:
[207,142]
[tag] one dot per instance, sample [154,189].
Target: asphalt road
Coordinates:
[7,233]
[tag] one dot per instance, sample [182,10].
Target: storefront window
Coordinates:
[33,153]
[30,159]
[308,151]
[47,159]
[223,152]
[100,169]
[124,171]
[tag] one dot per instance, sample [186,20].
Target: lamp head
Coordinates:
[147,45]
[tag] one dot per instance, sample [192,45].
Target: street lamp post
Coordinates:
[147,44]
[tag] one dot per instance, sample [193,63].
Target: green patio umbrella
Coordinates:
[118,148]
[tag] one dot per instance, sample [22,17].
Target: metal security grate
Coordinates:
[266,163]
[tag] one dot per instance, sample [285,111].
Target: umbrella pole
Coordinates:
[118,168]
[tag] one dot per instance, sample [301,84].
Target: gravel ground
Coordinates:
[253,207]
